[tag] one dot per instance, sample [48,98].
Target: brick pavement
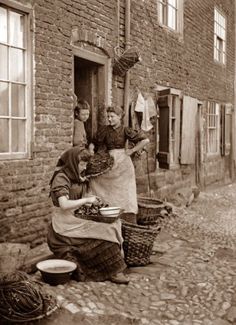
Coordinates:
[191,280]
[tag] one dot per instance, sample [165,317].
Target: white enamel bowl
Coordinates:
[110,211]
[56,271]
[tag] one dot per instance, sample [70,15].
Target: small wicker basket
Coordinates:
[138,243]
[149,206]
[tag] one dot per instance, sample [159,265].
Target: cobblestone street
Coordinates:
[190,281]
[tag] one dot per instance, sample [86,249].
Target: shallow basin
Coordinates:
[56,271]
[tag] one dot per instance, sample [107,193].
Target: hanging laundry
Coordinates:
[148,108]
[151,106]
[146,125]
[140,103]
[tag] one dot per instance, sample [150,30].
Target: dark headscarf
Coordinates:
[69,161]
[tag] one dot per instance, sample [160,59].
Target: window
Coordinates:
[213,125]
[169,128]
[14,84]
[170,14]
[219,37]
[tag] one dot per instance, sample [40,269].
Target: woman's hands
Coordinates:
[67,204]
[129,152]
[139,146]
[93,200]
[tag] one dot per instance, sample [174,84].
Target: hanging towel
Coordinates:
[146,125]
[151,106]
[140,103]
[147,107]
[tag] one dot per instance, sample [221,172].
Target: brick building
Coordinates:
[53,49]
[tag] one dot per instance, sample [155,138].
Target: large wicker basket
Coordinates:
[138,243]
[155,219]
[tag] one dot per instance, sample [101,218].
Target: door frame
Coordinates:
[105,63]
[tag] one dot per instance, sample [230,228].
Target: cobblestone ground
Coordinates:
[191,279]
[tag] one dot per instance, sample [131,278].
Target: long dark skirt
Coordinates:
[97,260]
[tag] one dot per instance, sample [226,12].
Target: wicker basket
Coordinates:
[155,219]
[151,206]
[125,61]
[138,243]
[97,217]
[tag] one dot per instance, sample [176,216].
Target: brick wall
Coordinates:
[185,63]
[25,208]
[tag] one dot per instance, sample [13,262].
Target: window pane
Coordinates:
[3,25]
[172,2]
[162,13]
[3,62]
[172,18]
[4,135]
[4,98]
[18,136]
[16,29]
[18,100]
[17,65]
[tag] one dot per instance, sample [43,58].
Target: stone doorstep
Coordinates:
[35,255]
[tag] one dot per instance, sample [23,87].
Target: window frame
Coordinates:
[219,41]
[164,6]
[214,119]
[28,82]
[169,104]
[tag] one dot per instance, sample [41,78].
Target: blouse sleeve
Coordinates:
[100,139]
[60,187]
[134,135]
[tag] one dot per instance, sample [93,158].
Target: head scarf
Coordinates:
[69,162]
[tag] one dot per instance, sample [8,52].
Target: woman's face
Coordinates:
[114,119]
[82,166]
[83,115]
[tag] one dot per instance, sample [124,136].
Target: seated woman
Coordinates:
[117,187]
[95,247]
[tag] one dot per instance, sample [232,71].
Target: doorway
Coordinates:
[89,84]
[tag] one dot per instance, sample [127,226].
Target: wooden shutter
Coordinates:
[222,130]
[189,115]
[163,156]
[225,129]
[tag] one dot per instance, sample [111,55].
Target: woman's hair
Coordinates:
[117,110]
[82,104]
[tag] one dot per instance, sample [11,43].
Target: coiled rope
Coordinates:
[22,299]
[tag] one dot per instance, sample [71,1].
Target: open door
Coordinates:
[89,84]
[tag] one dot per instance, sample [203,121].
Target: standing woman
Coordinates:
[96,247]
[117,187]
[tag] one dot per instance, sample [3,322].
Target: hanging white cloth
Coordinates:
[140,103]
[148,108]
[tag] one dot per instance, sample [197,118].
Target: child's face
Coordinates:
[83,115]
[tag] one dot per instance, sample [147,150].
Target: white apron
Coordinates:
[117,187]
[66,224]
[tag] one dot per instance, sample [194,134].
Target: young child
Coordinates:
[81,115]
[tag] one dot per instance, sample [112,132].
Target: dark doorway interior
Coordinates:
[89,85]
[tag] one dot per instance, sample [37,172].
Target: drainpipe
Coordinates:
[127,75]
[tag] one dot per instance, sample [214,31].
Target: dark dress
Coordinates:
[98,259]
